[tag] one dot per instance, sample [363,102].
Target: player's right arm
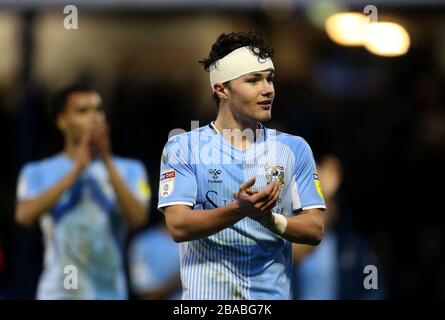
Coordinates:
[29,210]
[178,187]
[186,224]
[32,204]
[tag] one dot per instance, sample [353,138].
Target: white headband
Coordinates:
[237,63]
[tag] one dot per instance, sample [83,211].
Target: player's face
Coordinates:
[250,96]
[82,110]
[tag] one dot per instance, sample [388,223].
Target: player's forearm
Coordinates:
[135,211]
[28,211]
[188,224]
[305,229]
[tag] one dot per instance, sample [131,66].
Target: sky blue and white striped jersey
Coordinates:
[84,229]
[246,261]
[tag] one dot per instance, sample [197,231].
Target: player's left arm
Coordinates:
[134,208]
[305,228]
[307,224]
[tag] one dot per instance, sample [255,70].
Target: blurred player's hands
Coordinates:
[84,151]
[101,138]
[331,174]
[257,204]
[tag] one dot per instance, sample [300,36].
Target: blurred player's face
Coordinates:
[82,111]
[250,96]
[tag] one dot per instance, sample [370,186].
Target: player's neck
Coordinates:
[240,134]
[226,120]
[69,150]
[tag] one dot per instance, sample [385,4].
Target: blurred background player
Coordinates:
[84,198]
[154,265]
[334,269]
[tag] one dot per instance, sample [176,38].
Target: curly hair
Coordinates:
[228,42]
[61,97]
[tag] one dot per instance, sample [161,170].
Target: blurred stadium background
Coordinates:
[383,116]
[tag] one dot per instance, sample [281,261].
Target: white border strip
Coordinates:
[160,206]
[317,206]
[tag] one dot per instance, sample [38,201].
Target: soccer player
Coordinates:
[84,198]
[235,193]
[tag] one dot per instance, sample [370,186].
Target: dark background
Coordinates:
[383,117]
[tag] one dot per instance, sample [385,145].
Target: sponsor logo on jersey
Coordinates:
[215,173]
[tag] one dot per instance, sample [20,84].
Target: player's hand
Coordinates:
[84,151]
[256,204]
[101,138]
[268,203]
[265,213]
[330,174]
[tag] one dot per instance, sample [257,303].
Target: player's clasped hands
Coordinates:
[94,140]
[257,204]
[100,138]
[84,154]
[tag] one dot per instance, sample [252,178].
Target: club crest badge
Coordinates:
[274,173]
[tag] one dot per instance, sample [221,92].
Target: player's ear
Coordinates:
[61,122]
[220,90]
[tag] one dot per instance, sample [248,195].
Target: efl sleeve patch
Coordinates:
[318,186]
[167,183]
